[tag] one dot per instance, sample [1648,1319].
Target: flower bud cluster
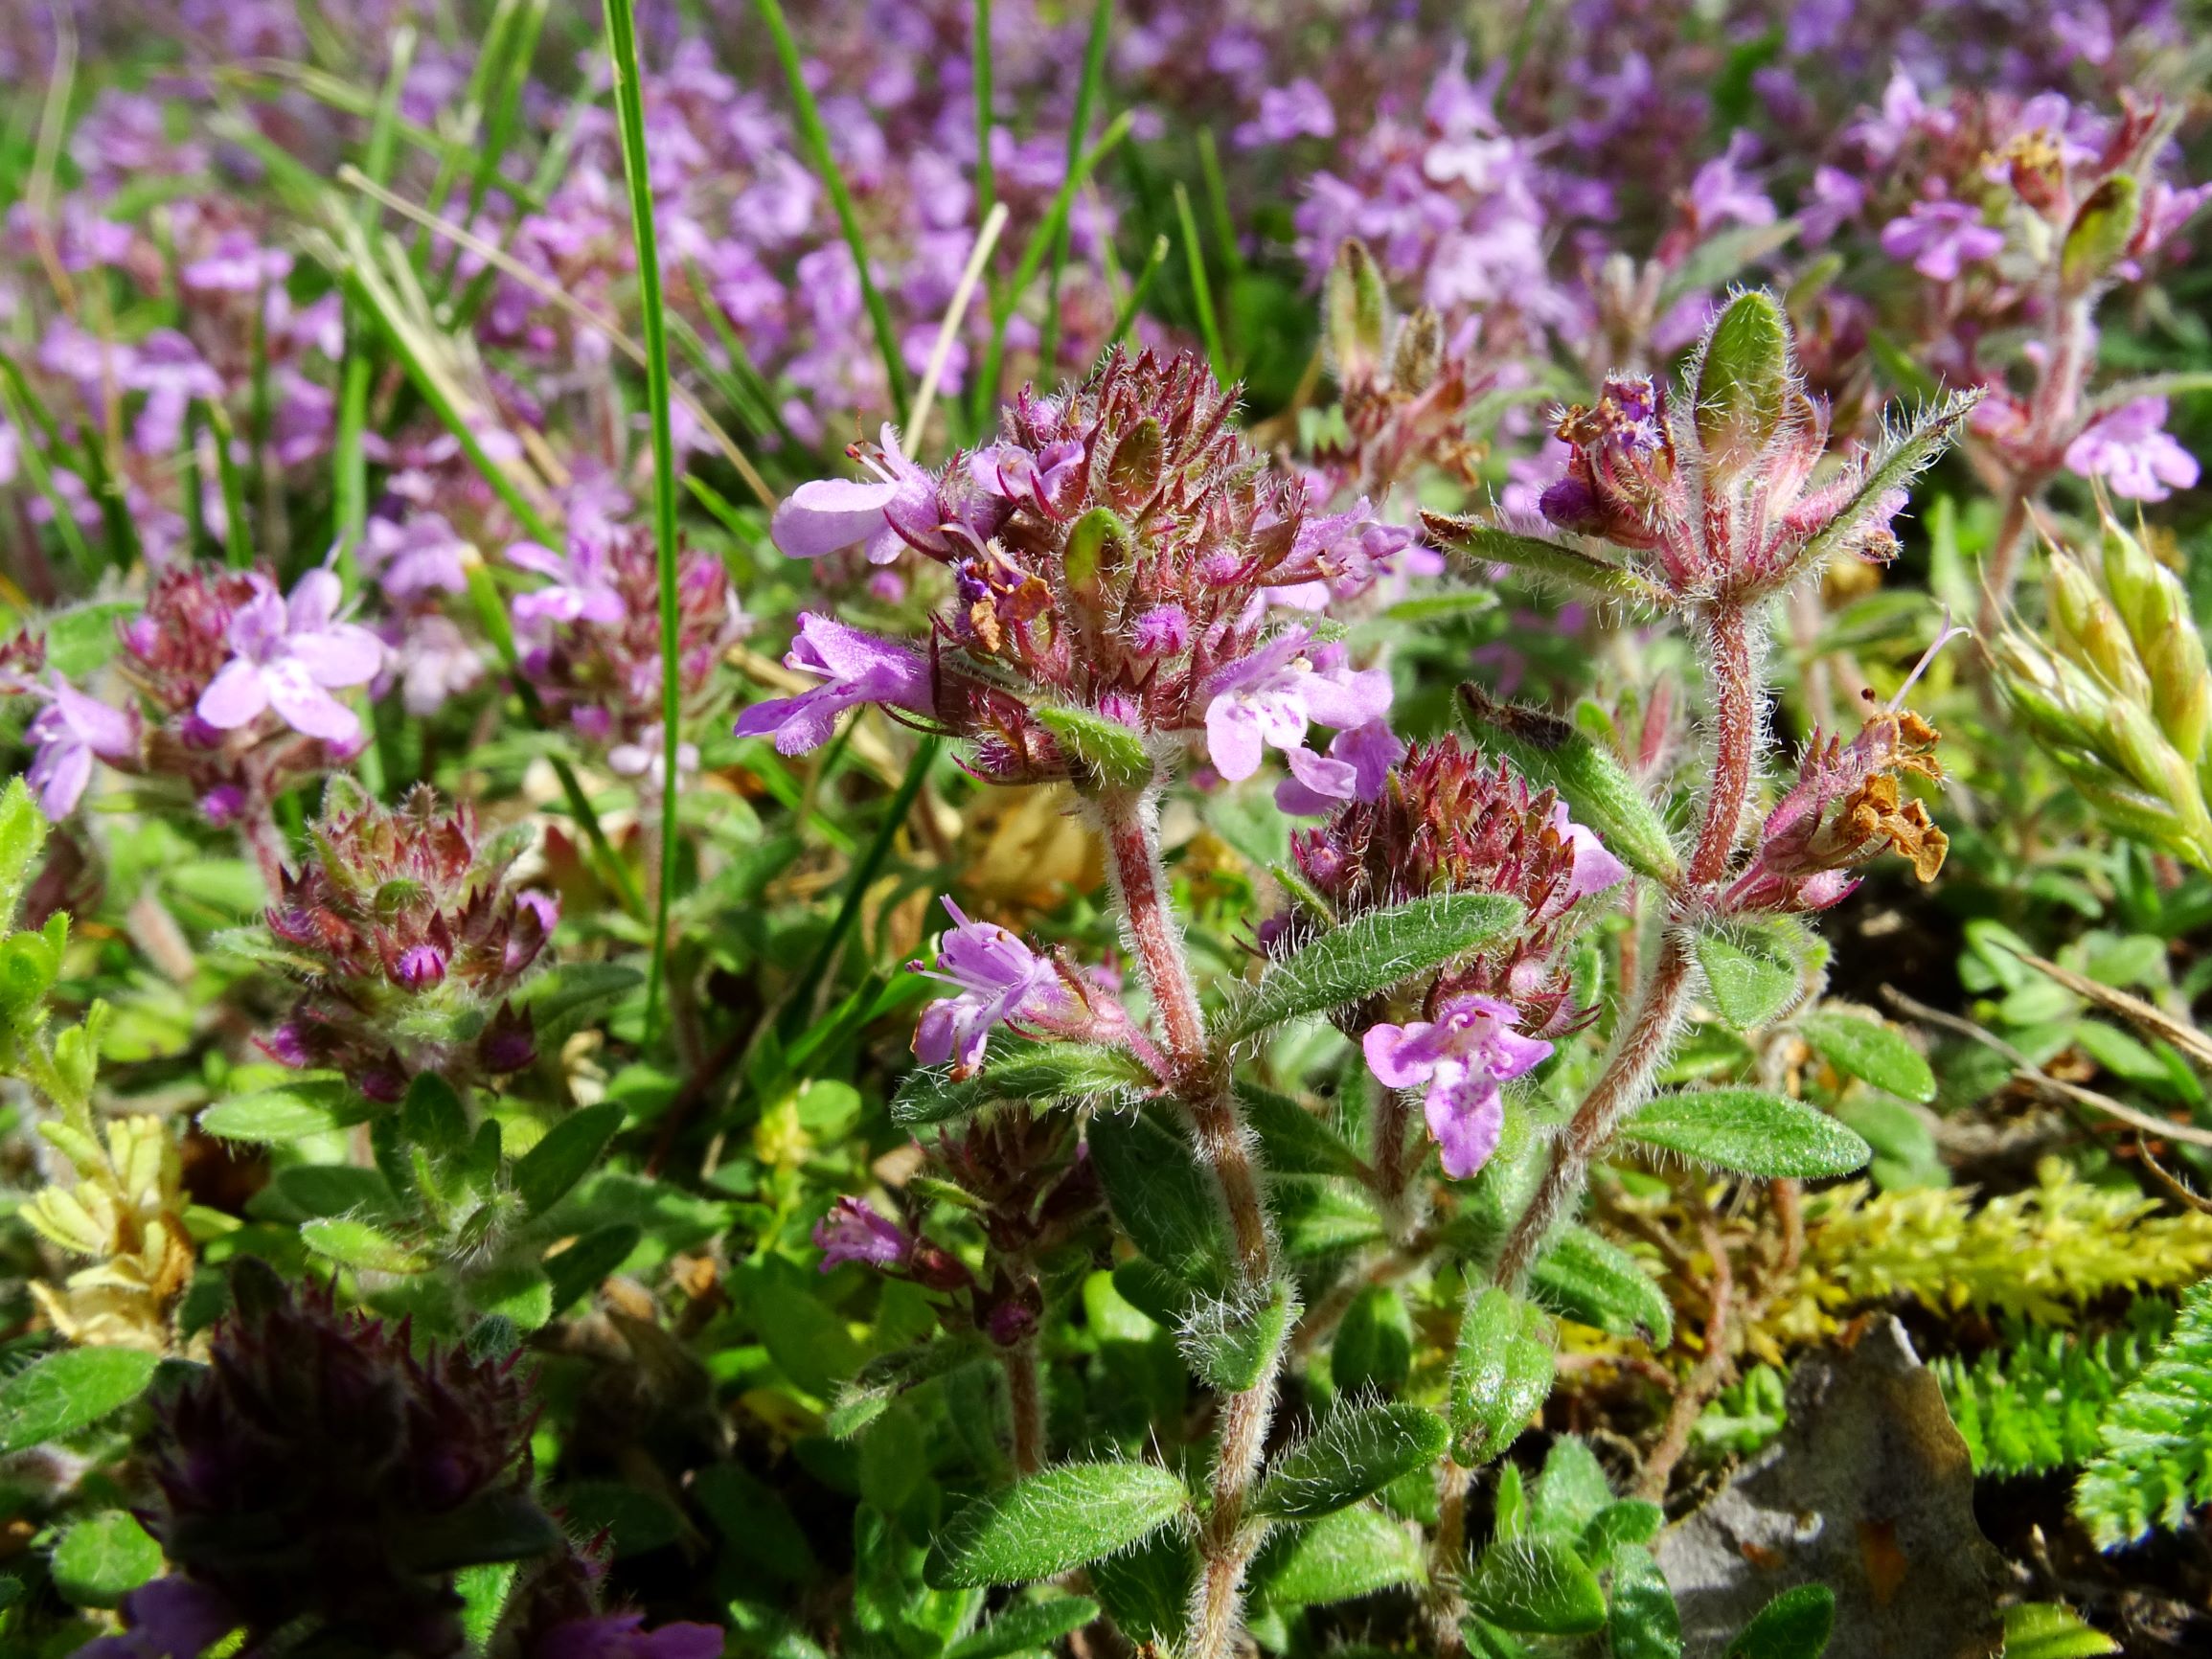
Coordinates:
[411,940]
[2115,689]
[126,1214]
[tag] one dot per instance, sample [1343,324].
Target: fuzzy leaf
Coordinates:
[364,1248]
[1368,955]
[546,1172]
[1115,755]
[584,1265]
[1026,1628]
[1902,457]
[1037,1074]
[2102,227]
[22,836]
[888,1376]
[1492,544]
[2050,1630]
[1572,1490]
[1749,1132]
[1355,311]
[1231,1345]
[1355,1551]
[1871,1051]
[103,1558]
[67,1391]
[1147,1590]
[1373,1349]
[1795,1625]
[573,996]
[1060,1519]
[1632,1523]
[1552,754]
[1295,1141]
[1503,1372]
[1163,1200]
[1742,384]
[1354,1453]
[1539,1587]
[79,641]
[1591,1280]
[1642,1621]
[1751,977]
[308,1106]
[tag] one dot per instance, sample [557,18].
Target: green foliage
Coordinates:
[68,1390]
[2037,1404]
[1748,1131]
[1354,1451]
[1502,1374]
[2154,1460]
[1063,1517]
[1796,1625]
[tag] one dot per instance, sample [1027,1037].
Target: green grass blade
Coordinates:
[66,527]
[238,545]
[1202,293]
[818,137]
[1078,131]
[1140,291]
[986,179]
[629,104]
[1218,202]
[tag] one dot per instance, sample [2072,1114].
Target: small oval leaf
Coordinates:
[1750,1132]
[1060,1519]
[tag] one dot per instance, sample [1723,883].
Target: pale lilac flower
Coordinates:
[1835,197]
[1594,868]
[435,662]
[1000,979]
[1045,481]
[1356,768]
[855,668]
[237,265]
[852,1231]
[2130,449]
[1471,1048]
[582,586]
[829,514]
[289,657]
[1884,134]
[1941,239]
[1720,193]
[648,757]
[1298,110]
[423,554]
[1271,697]
[69,732]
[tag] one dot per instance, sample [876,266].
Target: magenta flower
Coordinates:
[622,1636]
[1941,239]
[1356,768]
[289,655]
[1471,1048]
[1298,110]
[1000,980]
[855,668]
[1271,697]
[1594,868]
[2130,449]
[852,1231]
[582,586]
[1720,192]
[68,732]
[829,514]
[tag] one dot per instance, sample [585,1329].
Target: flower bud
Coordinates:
[2099,236]
[1357,311]
[1743,381]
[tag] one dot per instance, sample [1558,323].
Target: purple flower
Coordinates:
[289,657]
[68,732]
[171,1617]
[619,1636]
[419,967]
[581,590]
[852,1231]
[1594,868]
[1463,1055]
[1047,480]
[1835,197]
[855,668]
[1719,191]
[421,555]
[1000,979]
[1298,110]
[829,514]
[1271,697]
[1941,239]
[2130,449]
[1356,768]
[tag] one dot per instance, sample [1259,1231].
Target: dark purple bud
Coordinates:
[1010,1322]
[221,805]
[508,1043]
[420,967]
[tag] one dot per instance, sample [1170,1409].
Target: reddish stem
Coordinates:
[1738,708]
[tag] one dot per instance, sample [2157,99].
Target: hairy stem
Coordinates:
[1026,1397]
[1200,1078]
[1447,1557]
[1735,739]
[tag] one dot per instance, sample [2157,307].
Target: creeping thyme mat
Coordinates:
[978,829]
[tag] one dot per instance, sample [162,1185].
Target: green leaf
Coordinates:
[364,1248]
[1750,1132]
[1552,754]
[584,1265]
[331,1189]
[1492,544]
[1147,1590]
[310,1105]
[544,1173]
[103,1558]
[1632,1522]
[1163,1200]
[1570,1491]
[641,1521]
[1537,1586]
[1795,1625]
[1871,1051]
[1037,1073]
[1025,1627]
[22,836]
[1373,1349]
[806,1339]
[2050,1630]
[67,1391]
[1230,1345]
[1592,1281]
[753,1519]
[1642,1623]
[1752,976]
[883,1378]
[1356,1451]
[432,1116]
[79,641]
[1060,1519]
[1902,456]
[1295,1141]
[1355,311]
[2102,227]
[1502,1375]
[573,996]
[1368,955]
[1355,1551]
[1743,379]
[1113,755]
